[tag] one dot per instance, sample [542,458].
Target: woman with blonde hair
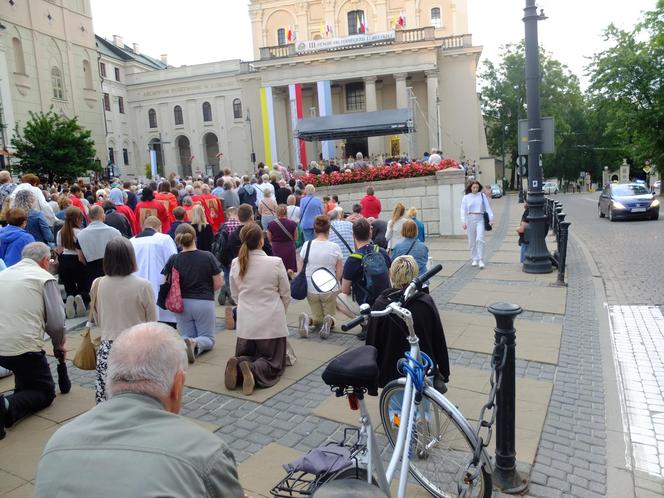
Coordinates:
[267,208]
[204,233]
[412,214]
[200,277]
[393,235]
[260,286]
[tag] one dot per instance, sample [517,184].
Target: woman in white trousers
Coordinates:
[473,207]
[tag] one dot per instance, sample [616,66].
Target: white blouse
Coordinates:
[474,203]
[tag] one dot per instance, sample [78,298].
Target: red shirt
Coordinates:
[169,201]
[370,206]
[214,211]
[75,201]
[129,214]
[151,208]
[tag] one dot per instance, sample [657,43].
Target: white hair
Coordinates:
[36,251]
[144,359]
[309,189]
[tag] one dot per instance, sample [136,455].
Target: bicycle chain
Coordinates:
[473,469]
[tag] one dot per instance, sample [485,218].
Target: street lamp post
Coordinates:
[537,255]
[251,135]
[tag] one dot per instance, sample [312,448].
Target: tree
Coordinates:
[626,90]
[54,146]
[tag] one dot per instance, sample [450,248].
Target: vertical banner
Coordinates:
[295,95]
[325,109]
[153,163]
[269,131]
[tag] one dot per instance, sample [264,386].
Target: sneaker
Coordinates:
[221,298]
[3,416]
[80,307]
[326,328]
[481,264]
[230,374]
[303,325]
[5,372]
[191,350]
[248,382]
[70,309]
[474,263]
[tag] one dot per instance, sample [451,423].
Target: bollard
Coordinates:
[505,476]
[558,209]
[562,251]
[560,217]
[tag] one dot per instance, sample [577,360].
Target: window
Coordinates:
[102,69]
[125,157]
[237,109]
[121,105]
[107,102]
[117,73]
[435,17]
[152,118]
[356,22]
[281,36]
[111,155]
[56,83]
[355,97]
[19,57]
[177,114]
[207,112]
[87,74]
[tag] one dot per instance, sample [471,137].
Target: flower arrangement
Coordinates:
[393,171]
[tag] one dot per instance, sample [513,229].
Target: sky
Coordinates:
[201,31]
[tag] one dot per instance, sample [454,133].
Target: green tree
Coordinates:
[626,93]
[54,147]
[503,98]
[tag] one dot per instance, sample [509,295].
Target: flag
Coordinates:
[364,23]
[359,24]
[290,34]
[322,28]
[402,20]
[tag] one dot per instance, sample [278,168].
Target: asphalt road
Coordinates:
[629,254]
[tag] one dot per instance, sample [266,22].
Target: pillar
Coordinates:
[375,147]
[402,103]
[325,109]
[432,109]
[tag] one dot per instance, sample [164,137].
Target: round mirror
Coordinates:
[324,280]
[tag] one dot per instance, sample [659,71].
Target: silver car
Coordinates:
[550,188]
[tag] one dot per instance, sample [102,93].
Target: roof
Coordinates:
[125,53]
[357,124]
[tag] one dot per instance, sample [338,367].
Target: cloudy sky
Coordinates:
[200,31]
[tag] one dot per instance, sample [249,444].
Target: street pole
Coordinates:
[537,255]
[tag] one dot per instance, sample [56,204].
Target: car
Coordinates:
[496,191]
[550,188]
[657,186]
[627,201]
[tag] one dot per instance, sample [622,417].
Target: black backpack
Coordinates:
[221,246]
[373,265]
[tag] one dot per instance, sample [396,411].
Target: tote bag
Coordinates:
[487,222]
[298,286]
[174,301]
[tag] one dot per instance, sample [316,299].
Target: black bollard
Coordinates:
[562,251]
[560,217]
[505,476]
[557,210]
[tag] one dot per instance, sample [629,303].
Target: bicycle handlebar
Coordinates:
[352,323]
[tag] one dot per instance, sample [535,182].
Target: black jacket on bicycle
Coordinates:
[389,334]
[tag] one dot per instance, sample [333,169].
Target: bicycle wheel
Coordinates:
[441,446]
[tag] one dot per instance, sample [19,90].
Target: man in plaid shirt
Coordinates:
[341,232]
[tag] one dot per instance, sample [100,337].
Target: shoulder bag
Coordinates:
[298,286]
[487,222]
[170,295]
[341,238]
[281,225]
[86,354]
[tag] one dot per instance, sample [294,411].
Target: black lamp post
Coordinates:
[537,255]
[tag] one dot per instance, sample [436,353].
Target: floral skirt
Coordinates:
[102,364]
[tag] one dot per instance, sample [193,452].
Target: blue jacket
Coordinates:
[417,250]
[310,207]
[12,241]
[38,227]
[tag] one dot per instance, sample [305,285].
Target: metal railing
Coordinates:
[560,227]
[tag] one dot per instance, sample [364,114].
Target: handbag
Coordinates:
[298,286]
[485,215]
[86,354]
[174,301]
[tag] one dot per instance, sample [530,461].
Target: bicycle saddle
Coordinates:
[356,368]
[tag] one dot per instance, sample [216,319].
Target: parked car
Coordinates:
[496,191]
[550,188]
[627,200]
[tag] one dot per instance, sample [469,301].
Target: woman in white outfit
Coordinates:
[473,206]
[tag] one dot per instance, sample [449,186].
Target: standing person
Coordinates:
[139,426]
[121,300]
[168,200]
[247,193]
[393,235]
[371,207]
[150,207]
[71,266]
[356,214]
[204,233]
[259,285]
[310,208]
[152,251]
[229,197]
[76,197]
[116,220]
[293,211]
[473,207]
[320,253]
[214,210]
[132,200]
[118,198]
[179,215]
[282,193]
[410,245]
[37,225]
[267,208]
[378,232]
[200,277]
[282,232]
[412,214]
[521,231]
[341,232]
[14,237]
[221,249]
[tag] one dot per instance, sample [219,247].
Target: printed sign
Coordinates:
[332,43]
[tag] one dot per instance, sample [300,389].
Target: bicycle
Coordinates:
[436,444]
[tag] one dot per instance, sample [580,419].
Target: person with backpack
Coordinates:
[247,193]
[366,271]
[221,249]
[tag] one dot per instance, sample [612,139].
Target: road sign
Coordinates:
[548,135]
[521,161]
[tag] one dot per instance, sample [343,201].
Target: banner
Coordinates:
[332,43]
[153,163]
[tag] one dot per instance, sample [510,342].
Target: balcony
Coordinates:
[400,37]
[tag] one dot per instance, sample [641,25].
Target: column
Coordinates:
[297,113]
[432,109]
[269,132]
[374,143]
[325,109]
[402,103]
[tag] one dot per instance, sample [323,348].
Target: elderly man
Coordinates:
[341,232]
[135,444]
[33,296]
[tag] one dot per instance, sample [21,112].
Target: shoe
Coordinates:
[191,350]
[5,372]
[80,306]
[362,336]
[481,264]
[230,374]
[248,382]
[3,416]
[474,263]
[303,325]
[70,309]
[221,299]
[326,328]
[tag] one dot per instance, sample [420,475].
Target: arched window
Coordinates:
[56,83]
[436,20]
[207,112]
[177,114]
[87,74]
[152,118]
[281,36]
[357,22]
[19,58]
[237,109]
